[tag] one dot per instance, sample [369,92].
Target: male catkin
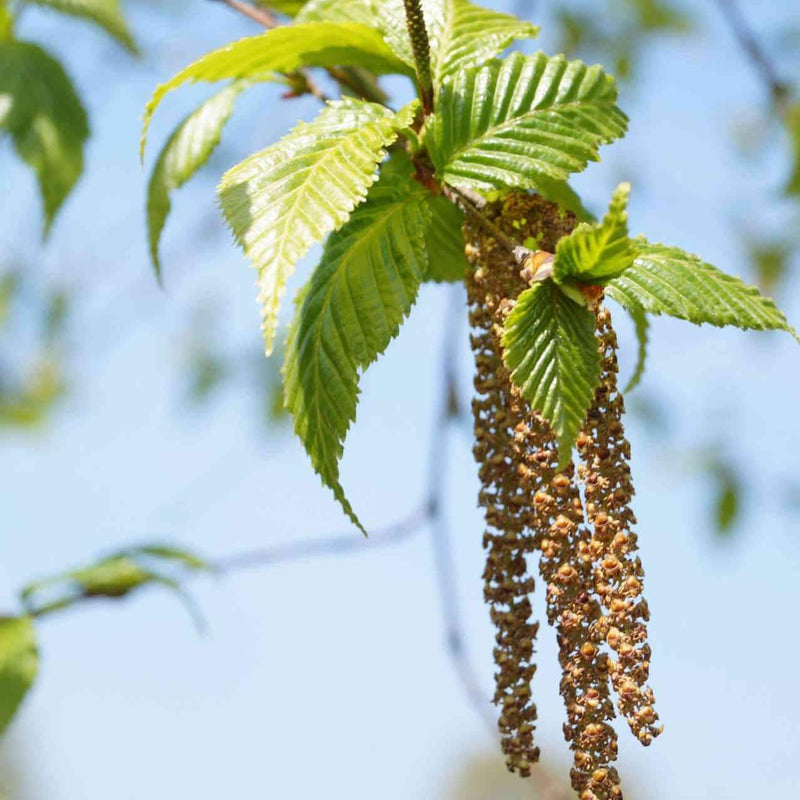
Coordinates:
[532,507]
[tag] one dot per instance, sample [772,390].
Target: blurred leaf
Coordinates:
[29,405]
[207,371]
[107,14]
[56,315]
[727,507]
[793,129]
[770,261]
[9,283]
[113,577]
[727,494]
[168,553]
[41,111]
[18,664]
[656,15]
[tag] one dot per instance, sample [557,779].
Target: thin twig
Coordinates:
[767,72]
[344,76]
[330,546]
[268,21]
[470,207]
[259,15]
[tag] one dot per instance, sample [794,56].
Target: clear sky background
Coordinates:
[330,678]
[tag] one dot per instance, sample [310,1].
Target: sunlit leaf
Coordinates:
[187,150]
[285,49]
[596,252]
[281,201]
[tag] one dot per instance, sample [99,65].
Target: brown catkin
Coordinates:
[617,570]
[530,506]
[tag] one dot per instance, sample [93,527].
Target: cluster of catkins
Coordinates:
[578,522]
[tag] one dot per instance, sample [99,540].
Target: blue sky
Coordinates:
[330,677]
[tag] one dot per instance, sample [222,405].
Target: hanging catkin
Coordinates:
[617,570]
[532,507]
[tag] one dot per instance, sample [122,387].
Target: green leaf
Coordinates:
[6,23]
[727,506]
[285,49]
[390,20]
[114,577]
[41,111]
[279,202]
[509,122]
[107,14]
[167,553]
[564,196]
[595,253]
[291,8]
[445,241]
[642,326]
[360,11]
[346,316]
[667,280]
[461,34]
[187,150]
[18,664]
[792,121]
[551,351]
[469,35]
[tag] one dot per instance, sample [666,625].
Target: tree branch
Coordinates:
[346,77]
[268,21]
[259,15]
[766,70]
[430,513]
[330,546]
[471,207]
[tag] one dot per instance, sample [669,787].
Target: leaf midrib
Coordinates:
[532,114]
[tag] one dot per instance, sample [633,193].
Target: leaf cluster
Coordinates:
[389,188]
